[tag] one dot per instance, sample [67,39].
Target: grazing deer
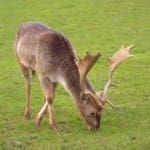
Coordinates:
[51,56]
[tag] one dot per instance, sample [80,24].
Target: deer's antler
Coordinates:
[84,65]
[120,56]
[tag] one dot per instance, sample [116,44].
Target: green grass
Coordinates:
[93,25]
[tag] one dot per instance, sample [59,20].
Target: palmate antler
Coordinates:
[85,64]
[119,57]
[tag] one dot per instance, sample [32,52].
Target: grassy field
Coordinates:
[94,25]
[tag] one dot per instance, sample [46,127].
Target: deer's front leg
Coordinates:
[46,108]
[49,93]
[52,122]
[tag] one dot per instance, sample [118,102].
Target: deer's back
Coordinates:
[44,50]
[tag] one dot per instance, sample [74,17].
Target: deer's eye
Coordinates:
[92,114]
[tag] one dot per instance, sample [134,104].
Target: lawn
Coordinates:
[94,26]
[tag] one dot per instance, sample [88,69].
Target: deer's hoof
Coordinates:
[53,126]
[38,121]
[27,116]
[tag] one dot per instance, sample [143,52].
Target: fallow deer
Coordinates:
[51,56]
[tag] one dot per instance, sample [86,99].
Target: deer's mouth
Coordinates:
[95,124]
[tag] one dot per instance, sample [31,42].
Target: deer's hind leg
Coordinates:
[49,93]
[28,77]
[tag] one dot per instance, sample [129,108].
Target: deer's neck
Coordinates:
[71,81]
[73,87]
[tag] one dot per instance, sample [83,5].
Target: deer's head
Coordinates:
[91,110]
[92,102]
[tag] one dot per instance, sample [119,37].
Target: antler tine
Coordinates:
[85,64]
[101,98]
[119,57]
[130,47]
[111,104]
[96,99]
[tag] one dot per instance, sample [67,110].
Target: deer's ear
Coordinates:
[84,98]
